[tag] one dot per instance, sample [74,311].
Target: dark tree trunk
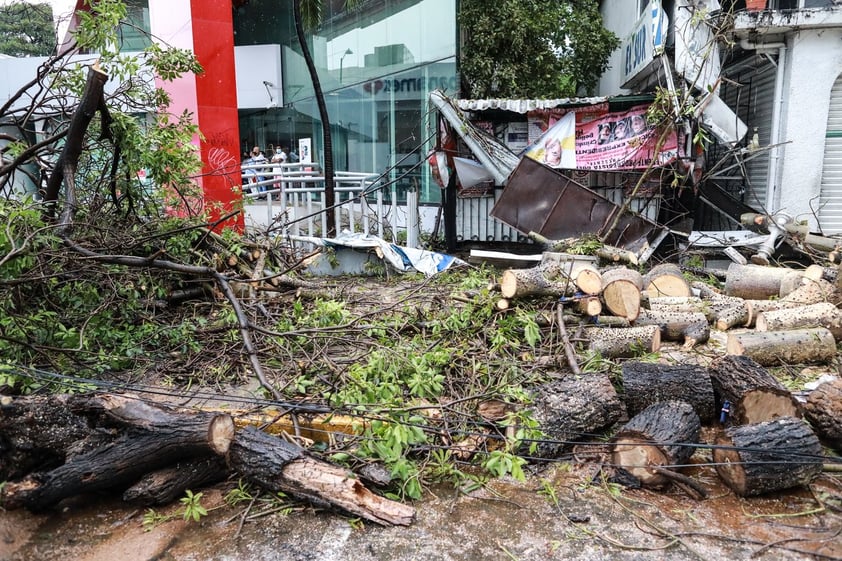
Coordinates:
[647,383]
[277,465]
[754,394]
[330,198]
[574,408]
[164,486]
[662,435]
[768,456]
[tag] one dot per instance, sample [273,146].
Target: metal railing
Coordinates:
[293,197]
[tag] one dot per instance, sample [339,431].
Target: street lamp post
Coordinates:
[342,61]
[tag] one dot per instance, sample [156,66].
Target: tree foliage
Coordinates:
[533,48]
[26,29]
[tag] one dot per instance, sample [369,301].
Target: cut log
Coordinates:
[729,314]
[617,255]
[810,292]
[152,445]
[547,279]
[824,411]
[797,346]
[690,327]
[277,465]
[661,435]
[624,343]
[621,288]
[770,456]
[823,314]
[598,321]
[589,306]
[754,394]
[574,408]
[647,383]
[755,282]
[666,280]
[164,486]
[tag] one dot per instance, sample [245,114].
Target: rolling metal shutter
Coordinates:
[750,93]
[830,202]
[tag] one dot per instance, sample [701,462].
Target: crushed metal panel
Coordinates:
[543,200]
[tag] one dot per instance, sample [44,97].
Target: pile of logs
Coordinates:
[55,447]
[775,315]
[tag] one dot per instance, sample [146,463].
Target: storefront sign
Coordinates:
[646,40]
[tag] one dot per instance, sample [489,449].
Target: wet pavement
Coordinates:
[504,521]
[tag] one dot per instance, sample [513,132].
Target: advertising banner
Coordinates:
[614,141]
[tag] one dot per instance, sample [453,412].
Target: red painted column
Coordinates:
[216,99]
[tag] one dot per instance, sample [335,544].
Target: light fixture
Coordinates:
[342,60]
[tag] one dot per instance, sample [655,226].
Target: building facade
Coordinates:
[782,79]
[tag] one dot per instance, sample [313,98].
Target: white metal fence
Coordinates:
[288,199]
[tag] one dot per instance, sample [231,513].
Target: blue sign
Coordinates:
[646,40]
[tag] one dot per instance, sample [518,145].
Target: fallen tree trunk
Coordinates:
[796,346]
[770,456]
[574,408]
[666,280]
[824,411]
[277,465]
[624,342]
[810,292]
[823,314]
[753,393]
[690,327]
[648,383]
[547,279]
[621,288]
[151,444]
[661,435]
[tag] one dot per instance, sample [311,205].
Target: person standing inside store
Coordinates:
[278,158]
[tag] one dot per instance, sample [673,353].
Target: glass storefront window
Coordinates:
[377,65]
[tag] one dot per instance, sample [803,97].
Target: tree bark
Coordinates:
[666,280]
[647,383]
[544,280]
[823,314]
[770,456]
[754,394]
[572,409]
[796,346]
[621,288]
[165,485]
[277,465]
[690,327]
[824,411]
[661,435]
[624,343]
[810,292]
[755,282]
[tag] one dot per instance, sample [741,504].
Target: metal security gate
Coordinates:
[830,201]
[750,93]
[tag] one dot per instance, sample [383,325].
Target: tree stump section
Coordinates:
[824,411]
[756,282]
[823,314]
[662,435]
[572,408]
[797,346]
[770,456]
[647,383]
[277,465]
[666,280]
[690,327]
[621,288]
[755,395]
[624,342]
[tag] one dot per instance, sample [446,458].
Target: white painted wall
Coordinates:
[814,62]
[619,16]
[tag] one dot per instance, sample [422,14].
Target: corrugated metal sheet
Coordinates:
[830,209]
